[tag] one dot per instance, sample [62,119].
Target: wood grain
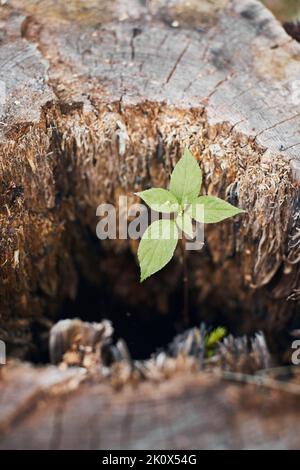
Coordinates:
[188,411]
[101,102]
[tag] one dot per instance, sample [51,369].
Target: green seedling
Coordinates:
[159,241]
[213,339]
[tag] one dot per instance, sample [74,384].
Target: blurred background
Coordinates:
[284,10]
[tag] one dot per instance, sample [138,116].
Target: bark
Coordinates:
[45,412]
[101,102]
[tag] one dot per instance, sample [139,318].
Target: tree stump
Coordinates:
[44,410]
[100,102]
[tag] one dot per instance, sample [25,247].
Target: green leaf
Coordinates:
[212,340]
[157,246]
[215,210]
[215,336]
[186,178]
[185,223]
[160,200]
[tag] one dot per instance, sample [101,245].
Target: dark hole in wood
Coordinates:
[144,327]
[293,29]
[144,330]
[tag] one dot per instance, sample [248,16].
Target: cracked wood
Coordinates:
[215,76]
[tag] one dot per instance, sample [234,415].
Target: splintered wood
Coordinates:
[102,101]
[97,101]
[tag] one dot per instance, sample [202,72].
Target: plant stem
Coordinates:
[185,310]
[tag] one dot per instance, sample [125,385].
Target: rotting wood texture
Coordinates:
[100,101]
[188,411]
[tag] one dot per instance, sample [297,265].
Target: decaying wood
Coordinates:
[100,102]
[188,411]
[23,386]
[97,397]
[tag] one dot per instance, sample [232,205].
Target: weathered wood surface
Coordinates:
[23,386]
[188,411]
[100,101]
